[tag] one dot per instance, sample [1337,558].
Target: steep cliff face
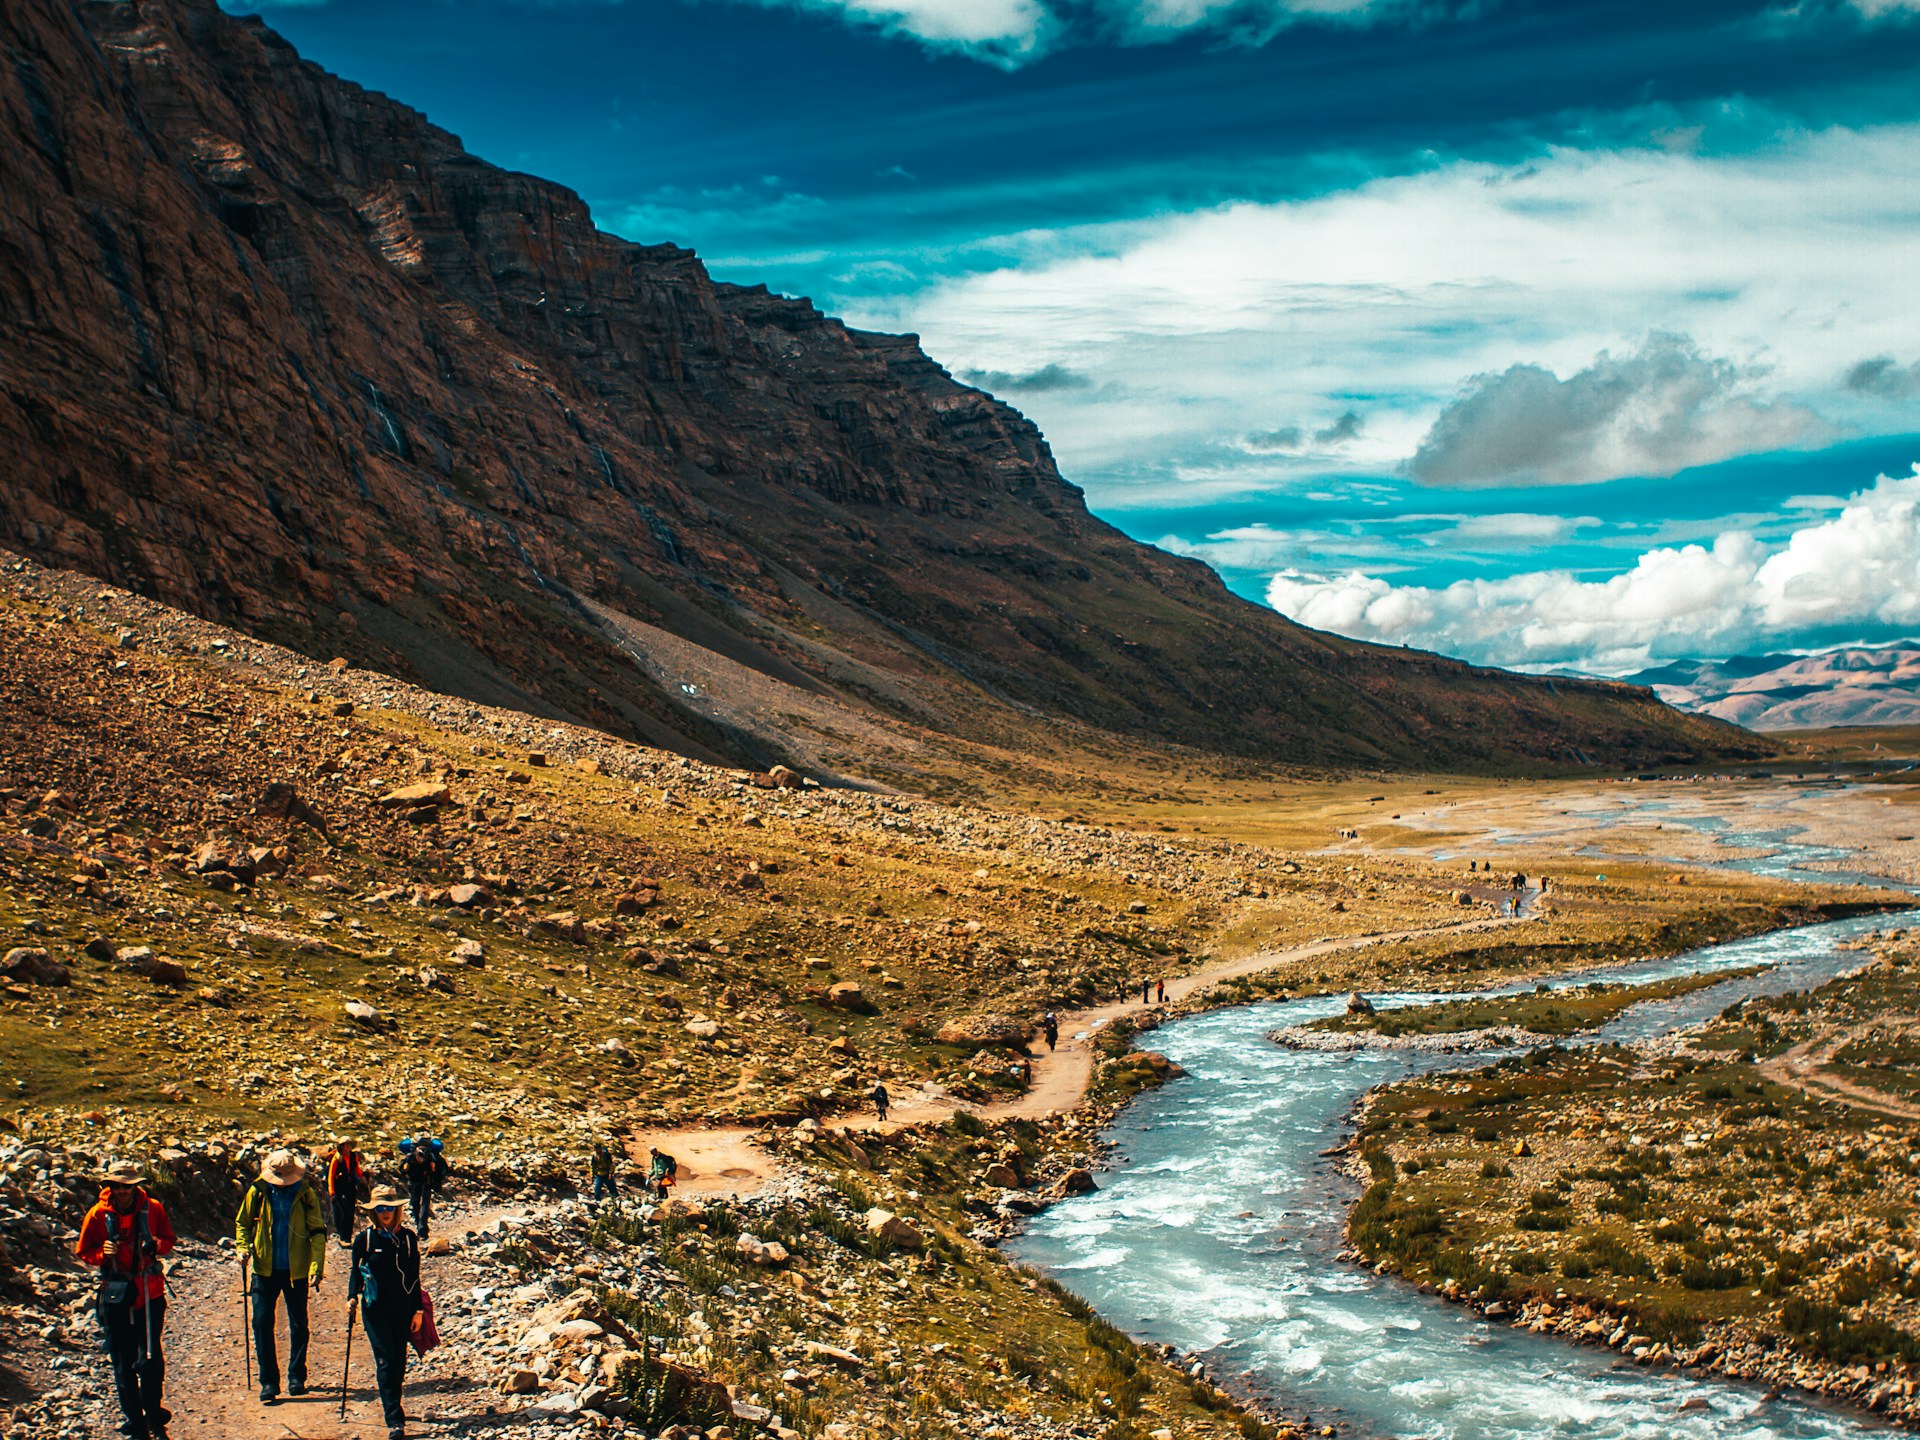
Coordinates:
[276,349]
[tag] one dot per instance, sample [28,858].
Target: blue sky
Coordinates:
[1575,333]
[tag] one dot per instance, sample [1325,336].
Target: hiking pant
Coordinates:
[138,1376]
[421,1202]
[387,1337]
[343,1216]
[266,1290]
[604,1188]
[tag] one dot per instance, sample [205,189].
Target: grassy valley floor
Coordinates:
[249,900]
[1741,1198]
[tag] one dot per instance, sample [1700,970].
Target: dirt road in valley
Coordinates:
[724,1160]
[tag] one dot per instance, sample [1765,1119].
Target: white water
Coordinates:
[1218,1234]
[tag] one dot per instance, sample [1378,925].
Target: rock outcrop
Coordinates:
[276,349]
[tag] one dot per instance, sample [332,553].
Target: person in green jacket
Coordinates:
[282,1229]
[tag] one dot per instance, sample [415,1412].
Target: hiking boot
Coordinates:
[398,1432]
[297,1387]
[268,1394]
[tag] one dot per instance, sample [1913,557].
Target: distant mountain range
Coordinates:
[1855,685]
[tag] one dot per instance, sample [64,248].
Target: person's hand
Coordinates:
[110,1249]
[314,1285]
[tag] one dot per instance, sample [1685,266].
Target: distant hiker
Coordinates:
[126,1235]
[662,1169]
[346,1182]
[880,1098]
[386,1283]
[1160,989]
[600,1166]
[1050,1026]
[426,1175]
[283,1233]
[1146,992]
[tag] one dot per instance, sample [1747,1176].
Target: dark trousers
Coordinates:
[343,1215]
[139,1373]
[421,1202]
[266,1290]
[604,1188]
[387,1338]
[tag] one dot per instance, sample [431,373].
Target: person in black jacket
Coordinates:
[386,1283]
[426,1174]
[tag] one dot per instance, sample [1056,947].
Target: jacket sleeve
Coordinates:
[93,1235]
[353,1271]
[316,1223]
[159,1229]
[243,1222]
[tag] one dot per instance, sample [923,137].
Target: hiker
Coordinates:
[1051,1027]
[600,1166]
[283,1234]
[426,1171]
[126,1235]
[346,1178]
[661,1170]
[386,1283]
[1146,987]
[880,1099]
[1160,989]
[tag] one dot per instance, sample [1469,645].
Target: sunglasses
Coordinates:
[386,1209]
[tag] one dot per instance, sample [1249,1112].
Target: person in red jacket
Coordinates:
[345,1178]
[126,1236]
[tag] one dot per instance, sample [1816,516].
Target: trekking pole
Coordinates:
[246,1337]
[346,1360]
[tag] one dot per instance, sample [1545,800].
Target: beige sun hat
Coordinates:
[384,1196]
[282,1167]
[122,1172]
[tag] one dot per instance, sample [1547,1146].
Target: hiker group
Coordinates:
[280,1237]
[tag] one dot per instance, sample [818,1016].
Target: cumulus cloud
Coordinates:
[1293,439]
[1854,576]
[1002,32]
[1882,378]
[1046,378]
[1400,288]
[1011,32]
[1662,409]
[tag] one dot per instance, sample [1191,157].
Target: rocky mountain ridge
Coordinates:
[1852,685]
[278,350]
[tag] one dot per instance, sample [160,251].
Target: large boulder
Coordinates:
[30,965]
[894,1229]
[976,1032]
[848,996]
[416,797]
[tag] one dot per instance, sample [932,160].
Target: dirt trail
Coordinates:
[724,1160]
[213,1398]
[1804,1066]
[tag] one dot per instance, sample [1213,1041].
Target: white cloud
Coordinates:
[1855,574]
[1005,32]
[1879,9]
[1662,409]
[1011,32]
[1794,260]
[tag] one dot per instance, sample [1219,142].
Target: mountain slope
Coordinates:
[276,349]
[1854,685]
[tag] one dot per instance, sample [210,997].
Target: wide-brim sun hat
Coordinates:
[282,1167]
[384,1197]
[122,1172]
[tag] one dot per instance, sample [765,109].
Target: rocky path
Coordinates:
[215,1398]
[724,1160]
[1804,1068]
